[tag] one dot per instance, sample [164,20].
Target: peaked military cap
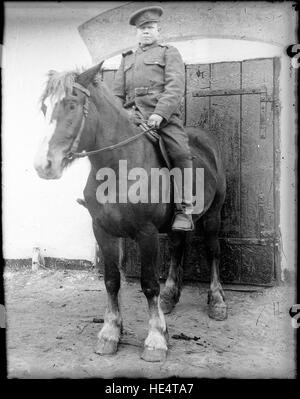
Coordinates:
[146,14]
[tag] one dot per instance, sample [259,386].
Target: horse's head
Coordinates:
[67,98]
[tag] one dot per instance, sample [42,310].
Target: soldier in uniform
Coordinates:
[151,79]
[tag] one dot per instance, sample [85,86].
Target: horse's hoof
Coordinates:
[106,347]
[154,355]
[218,311]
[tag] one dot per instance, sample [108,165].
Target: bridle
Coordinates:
[72,153]
[85,113]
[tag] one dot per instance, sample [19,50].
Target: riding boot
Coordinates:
[183,215]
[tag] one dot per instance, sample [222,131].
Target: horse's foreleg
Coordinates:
[155,348]
[172,290]
[217,308]
[109,336]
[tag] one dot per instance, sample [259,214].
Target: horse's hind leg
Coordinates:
[172,290]
[217,308]
[109,336]
[155,348]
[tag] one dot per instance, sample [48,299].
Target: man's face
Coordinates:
[148,33]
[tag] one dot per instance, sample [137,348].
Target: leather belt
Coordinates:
[143,91]
[139,92]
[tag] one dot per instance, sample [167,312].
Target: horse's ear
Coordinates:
[51,73]
[86,77]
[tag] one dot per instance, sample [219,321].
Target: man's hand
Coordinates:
[154,120]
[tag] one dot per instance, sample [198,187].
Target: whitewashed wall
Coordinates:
[44,213]
[39,36]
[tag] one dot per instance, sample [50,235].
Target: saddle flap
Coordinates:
[155,137]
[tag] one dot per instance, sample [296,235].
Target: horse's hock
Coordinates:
[238,102]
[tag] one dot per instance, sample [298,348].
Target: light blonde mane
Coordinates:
[59,85]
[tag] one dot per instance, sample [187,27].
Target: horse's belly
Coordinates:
[126,220]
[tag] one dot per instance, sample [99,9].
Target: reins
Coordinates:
[73,154]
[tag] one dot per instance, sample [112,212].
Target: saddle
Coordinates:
[156,139]
[153,136]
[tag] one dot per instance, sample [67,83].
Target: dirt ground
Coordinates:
[51,330]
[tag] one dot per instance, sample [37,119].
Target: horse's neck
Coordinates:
[114,126]
[113,119]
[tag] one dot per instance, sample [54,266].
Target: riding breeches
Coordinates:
[176,143]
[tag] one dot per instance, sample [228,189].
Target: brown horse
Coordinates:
[85,117]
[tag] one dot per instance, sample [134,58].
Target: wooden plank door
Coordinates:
[235,100]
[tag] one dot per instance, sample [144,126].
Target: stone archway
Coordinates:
[109,34]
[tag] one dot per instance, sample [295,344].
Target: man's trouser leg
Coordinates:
[177,146]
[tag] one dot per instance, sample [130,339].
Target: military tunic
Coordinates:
[152,78]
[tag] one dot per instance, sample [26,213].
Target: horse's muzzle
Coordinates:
[46,170]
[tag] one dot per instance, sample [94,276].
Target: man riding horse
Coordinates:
[87,120]
[150,81]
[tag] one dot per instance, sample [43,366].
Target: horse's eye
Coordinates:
[72,107]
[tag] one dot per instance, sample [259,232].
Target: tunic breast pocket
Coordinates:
[155,71]
[155,62]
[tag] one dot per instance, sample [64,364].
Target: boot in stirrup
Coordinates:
[183,220]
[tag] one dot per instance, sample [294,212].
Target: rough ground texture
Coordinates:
[51,332]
